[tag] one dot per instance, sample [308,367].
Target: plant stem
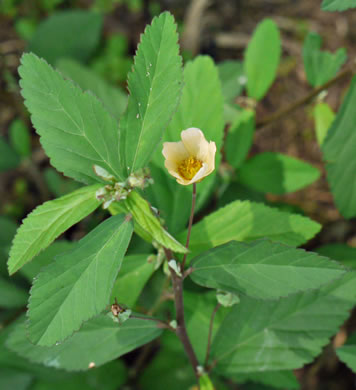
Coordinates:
[181,330]
[304,100]
[210,334]
[194,196]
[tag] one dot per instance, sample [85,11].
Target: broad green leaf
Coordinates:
[324,117]
[155,84]
[46,257]
[232,78]
[43,225]
[282,335]
[276,379]
[73,34]
[337,5]
[347,353]
[248,221]
[79,281]
[134,274]
[339,153]
[9,159]
[239,138]
[99,341]
[237,191]
[320,66]
[262,269]
[20,138]
[113,98]
[11,295]
[76,131]
[277,173]
[147,225]
[262,58]
[343,253]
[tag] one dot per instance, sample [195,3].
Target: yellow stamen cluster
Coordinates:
[189,167]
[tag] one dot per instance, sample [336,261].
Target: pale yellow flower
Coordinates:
[190,159]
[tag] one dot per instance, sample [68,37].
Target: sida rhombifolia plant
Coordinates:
[233,290]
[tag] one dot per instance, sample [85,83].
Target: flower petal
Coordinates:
[195,142]
[211,156]
[175,151]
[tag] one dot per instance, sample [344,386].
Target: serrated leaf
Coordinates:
[148,225]
[248,221]
[320,66]
[324,117]
[262,269]
[339,153]
[337,5]
[20,138]
[277,173]
[282,335]
[43,225]
[76,131]
[343,253]
[79,281]
[100,340]
[113,98]
[134,274]
[73,34]
[154,84]
[264,48]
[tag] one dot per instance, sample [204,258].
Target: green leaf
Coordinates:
[76,131]
[20,138]
[99,341]
[205,383]
[134,274]
[262,58]
[337,5]
[73,34]
[154,84]
[148,225]
[43,225]
[320,66]
[9,159]
[46,257]
[262,269]
[324,117]
[11,295]
[113,98]
[277,379]
[282,335]
[79,281]
[232,78]
[248,221]
[347,353]
[339,151]
[277,173]
[343,253]
[239,138]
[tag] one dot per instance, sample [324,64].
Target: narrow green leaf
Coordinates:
[113,98]
[324,117]
[343,253]
[248,221]
[99,341]
[232,78]
[240,137]
[20,138]
[148,224]
[11,295]
[320,66]
[154,84]
[282,335]
[79,281]
[337,5]
[134,274]
[74,34]
[339,153]
[277,173]
[47,222]
[264,48]
[76,131]
[9,159]
[262,269]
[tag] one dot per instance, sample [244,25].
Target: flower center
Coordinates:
[189,167]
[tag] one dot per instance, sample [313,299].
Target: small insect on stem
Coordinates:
[118,309]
